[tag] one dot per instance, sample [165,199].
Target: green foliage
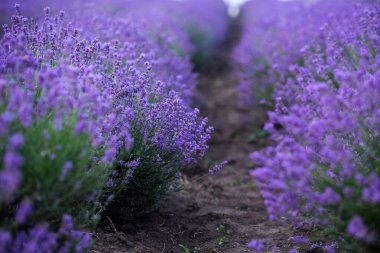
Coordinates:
[221,228]
[258,135]
[54,192]
[339,215]
[184,248]
[138,191]
[202,42]
[223,240]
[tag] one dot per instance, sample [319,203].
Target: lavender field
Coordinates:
[189,126]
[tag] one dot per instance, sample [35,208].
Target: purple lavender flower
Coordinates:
[24,210]
[329,197]
[133,164]
[217,168]
[5,238]
[12,161]
[257,245]
[110,183]
[16,141]
[329,248]
[67,167]
[10,181]
[371,192]
[66,225]
[356,228]
[298,240]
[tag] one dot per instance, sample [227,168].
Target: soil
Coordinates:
[213,213]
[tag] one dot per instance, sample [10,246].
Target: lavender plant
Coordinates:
[322,170]
[168,135]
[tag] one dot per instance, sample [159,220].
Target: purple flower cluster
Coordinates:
[86,104]
[217,168]
[322,61]
[261,245]
[54,119]
[274,36]
[204,22]
[40,239]
[165,56]
[198,26]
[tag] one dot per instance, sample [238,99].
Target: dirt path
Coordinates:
[218,213]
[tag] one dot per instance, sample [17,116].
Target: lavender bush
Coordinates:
[322,169]
[168,135]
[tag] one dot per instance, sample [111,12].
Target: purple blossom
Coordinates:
[16,141]
[110,183]
[12,161]
[357,229]
[217,168]
[133,164]
[257,246]
[371,192]
[5,238]
[24,210]
[329,248]
[67,167]
[10,181]
[329,197]
[298,240]
[67,225]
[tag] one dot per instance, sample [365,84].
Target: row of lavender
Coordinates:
[205,23]
[319,66]
[95,115]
